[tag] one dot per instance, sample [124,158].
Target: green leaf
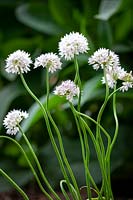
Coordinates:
[7,95]
[107,9]
[92,89]
[124,26]
[59,10]
[37,16]
[105,34]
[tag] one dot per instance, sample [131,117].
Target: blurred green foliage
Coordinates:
[36,27]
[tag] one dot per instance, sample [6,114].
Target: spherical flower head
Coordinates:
[72,44]
[49,60]
[12,119]
[18,61]
[103,58]
[67,89]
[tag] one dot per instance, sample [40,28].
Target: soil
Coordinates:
[33,192]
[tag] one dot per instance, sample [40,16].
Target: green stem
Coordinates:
[116,122]
[98,135]
[77,80]
[47,88]
[29,163]
[64,155]
[37,163]
[48,127]
[23,194]
[99,155]
[84,154]
[95,122]
[61,146]
[115,136]
[76,113]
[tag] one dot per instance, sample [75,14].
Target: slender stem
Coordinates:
[48,127]
[47,88]
[64,155]
[95,122]
[37,163]
[23,194]
[98,135]
[77,80]
[116,121]
[29,163]
[99,155]
[115,136]
[61,145]
[76,114]
[84,154]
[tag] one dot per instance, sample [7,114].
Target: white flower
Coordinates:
[125,86]
[104,58]
[110,81]
[50,61]
[18,61]
[67,89]
[12,119]
[72,44]
[113,74]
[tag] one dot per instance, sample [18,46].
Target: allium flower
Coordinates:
[12,119]
[67,89]
[110,80]
[49,60]
[72,44]
[18,61]
[104,58]
[113,74]
[125,86]
[128,82]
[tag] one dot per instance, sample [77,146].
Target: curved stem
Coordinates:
[95,122]
[64,155]
[61,146]
[37,163]
[77,80]
[100,159]
[85,155]
[29,163]
[23,194]
[115,136]
[116,122]
[98,135]
[48,128]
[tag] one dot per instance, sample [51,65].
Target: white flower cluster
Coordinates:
[12,119]
[18,61]
[109,61]
[103,58]
[49,60]
[128,82]
[72,44]
[67,89]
